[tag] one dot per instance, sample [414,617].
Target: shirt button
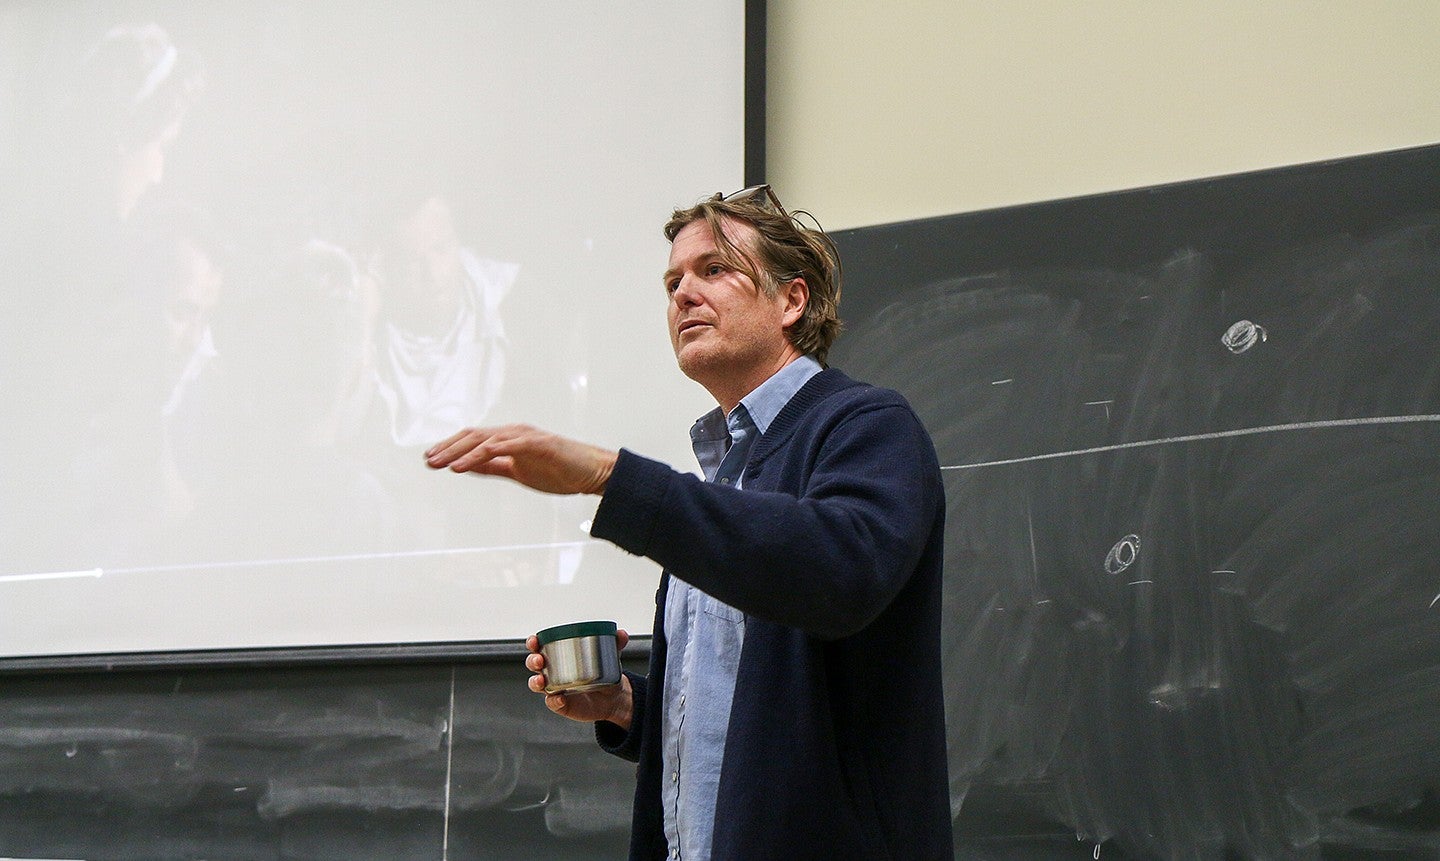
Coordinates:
[674,777]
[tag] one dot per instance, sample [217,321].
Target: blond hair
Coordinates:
[783,250]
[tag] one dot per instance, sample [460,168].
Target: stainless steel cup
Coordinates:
[580,656]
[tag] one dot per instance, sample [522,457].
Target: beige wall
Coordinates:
[883,112]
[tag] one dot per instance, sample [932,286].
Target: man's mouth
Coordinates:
[689,324]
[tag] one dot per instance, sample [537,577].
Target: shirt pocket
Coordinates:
[720,610]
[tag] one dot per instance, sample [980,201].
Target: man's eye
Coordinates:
[672,286]
[714,269]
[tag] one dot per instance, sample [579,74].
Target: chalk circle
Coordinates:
[1123,554]
[1241,336]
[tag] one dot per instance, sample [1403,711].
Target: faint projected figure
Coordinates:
[112,132]
[183,264]
[121,300]
[309,370]
[441,350]
[150,448]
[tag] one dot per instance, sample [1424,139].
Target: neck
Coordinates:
[728,393]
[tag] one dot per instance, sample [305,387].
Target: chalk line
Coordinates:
[449,761]
[51,575]
[1332,423]
[290,560]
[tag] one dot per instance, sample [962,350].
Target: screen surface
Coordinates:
[258,256]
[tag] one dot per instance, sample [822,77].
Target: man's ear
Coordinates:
[797,295]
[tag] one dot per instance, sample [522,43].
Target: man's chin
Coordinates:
[696,363]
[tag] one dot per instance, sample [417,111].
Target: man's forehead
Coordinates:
[740,234]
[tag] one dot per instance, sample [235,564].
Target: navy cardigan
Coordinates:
[836,742]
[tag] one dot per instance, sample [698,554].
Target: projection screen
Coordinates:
[257,256]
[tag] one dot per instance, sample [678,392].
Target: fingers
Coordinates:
[533,457]
[476,450]
[485,457]
[459,446]
[443,453]
[535,663]
[621,638]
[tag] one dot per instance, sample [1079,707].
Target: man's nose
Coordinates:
[686,293]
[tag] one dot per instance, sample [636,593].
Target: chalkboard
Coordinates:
[347,763]
[1191,444]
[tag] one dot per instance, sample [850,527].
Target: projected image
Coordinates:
[122,288]
[265,255]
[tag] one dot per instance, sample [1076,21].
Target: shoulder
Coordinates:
[832,403]
[832,392]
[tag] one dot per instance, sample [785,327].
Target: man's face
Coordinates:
[727,334]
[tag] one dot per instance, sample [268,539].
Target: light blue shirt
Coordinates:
[704,635]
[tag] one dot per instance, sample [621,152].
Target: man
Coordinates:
[793,704]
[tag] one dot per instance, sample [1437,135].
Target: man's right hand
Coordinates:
[536,458]
[611,703]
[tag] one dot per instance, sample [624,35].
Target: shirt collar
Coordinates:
[771,396]
[763,404]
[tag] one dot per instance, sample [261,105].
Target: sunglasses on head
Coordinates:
[761,194]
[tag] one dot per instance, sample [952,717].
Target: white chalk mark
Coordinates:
[1034,557]
[1138,582]
[1223,571]
[1145,443]
[51,575]
[1045,601]
[1002,382]
[536,806]
[1105,404]
[1432,603]
[1242,335]
[295,560]
[449,763]
[1123,554]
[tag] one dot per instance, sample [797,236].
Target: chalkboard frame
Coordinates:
[1122,227]
[474,651]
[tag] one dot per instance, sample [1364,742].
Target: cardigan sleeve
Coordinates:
[825,551]
[617,740]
